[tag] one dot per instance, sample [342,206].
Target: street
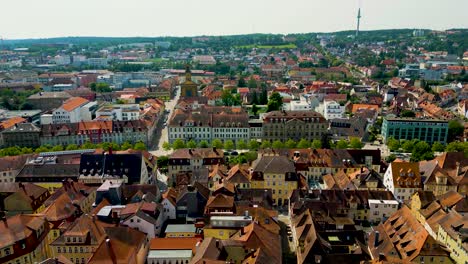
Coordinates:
[161,133]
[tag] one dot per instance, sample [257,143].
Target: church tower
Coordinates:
[188,87]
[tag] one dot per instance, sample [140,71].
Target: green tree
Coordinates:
[455,129]
[458,147]
[241,82]
[72,147]
[275,102]
[253,144]
[265,144]
[228,144]
[100,87]
[115,146]
[241,144]
[407,113]
[88,145]
[203,144]
[162,161]
[216,143]
[316,144]
[393,144]
[421,151]
[290,144]
[264,95]
[140,146]
[178,144]
[438,147]
[277,144]
[342,144]
[26,150]
[126,145]
[229,99]
[408,145]
[252,83]
[44,148]
[191,144]
[355,143]
[303,143]
[254,98]
[390,158]
[255,109]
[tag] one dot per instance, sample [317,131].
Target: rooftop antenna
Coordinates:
[358,19]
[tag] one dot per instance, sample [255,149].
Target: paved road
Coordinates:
[161,133]
[285,221]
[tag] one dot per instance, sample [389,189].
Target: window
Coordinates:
[7,251]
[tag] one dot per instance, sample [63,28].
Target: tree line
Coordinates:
[15,150]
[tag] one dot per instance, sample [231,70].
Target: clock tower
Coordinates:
[188,87]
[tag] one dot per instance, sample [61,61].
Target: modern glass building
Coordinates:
[429,130]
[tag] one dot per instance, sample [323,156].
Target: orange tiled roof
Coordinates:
[11,122]
[357,107]
[174,243]
[74,102]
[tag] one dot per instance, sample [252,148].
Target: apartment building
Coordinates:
[284,125]
[429,130]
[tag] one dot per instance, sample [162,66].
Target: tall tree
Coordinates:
[178,144]
[216,143]
[290,144]
[252,83]
[275,102]
[265,144]
[203,144]
[355,143]
[455,129]
[303,143]
[342,144]
[316,144]
[255,109]
[191,144]
[277,144]
[228,144]
[253,144]
[264,96]
[241,82]
[254,98]
[241,144]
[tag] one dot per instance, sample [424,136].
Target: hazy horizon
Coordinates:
[26,19]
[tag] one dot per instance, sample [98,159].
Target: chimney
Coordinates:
[242,230]
[217,243]
[110,150]
[458,168]
[376,240]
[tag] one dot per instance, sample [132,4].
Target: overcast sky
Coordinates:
[56,18]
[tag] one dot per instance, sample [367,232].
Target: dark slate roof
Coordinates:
[148,190]
[49,171]
[274,164]
[113,164]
